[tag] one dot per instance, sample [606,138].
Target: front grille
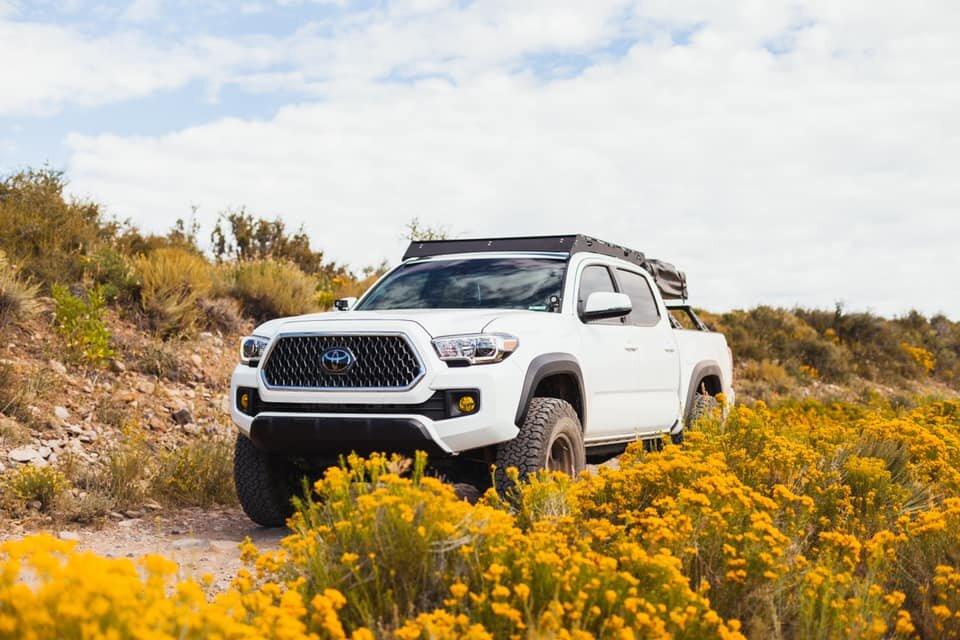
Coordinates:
[381,362]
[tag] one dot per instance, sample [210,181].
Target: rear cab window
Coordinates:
[645,312]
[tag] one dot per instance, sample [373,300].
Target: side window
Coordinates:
[645,312]
[595,278]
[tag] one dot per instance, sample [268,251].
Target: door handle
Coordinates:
[669,349]
[630,347]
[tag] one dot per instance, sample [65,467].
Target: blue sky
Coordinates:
[817,139]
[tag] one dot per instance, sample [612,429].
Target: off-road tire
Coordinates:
[265,484]
[703,403]
[548,421]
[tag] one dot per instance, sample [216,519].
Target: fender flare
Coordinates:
[701,371]
[543,366]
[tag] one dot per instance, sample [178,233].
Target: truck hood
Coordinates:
[436,322]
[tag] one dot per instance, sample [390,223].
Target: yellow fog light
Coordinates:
[467,404]
[245,401]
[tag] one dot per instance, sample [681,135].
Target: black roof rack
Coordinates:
[671,281]
[568,244]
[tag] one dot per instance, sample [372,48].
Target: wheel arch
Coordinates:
[555,375]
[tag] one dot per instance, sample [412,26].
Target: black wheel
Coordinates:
[550,438]
[265,484]
[703,403]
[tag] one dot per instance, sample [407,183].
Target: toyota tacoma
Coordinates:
[536,352]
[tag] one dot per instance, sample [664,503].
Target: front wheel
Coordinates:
[265,484]
[550,438]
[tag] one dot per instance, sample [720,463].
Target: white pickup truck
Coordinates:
[539,352]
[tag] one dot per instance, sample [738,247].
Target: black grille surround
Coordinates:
[384,362]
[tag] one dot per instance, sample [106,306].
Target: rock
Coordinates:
[191,428]
[24,454]
[182,416]
[146,387]
[44,452]
[196,360]
[57,366]
[36,505]
[115,516]
[152,506]
[133,513]
[126,524]
[117,366]
[190,543]
[69,535]
[176,531]
[61,413]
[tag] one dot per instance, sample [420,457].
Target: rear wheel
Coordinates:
[265,484]
[703,403]
[550,438]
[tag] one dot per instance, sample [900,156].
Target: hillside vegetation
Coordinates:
[825,505]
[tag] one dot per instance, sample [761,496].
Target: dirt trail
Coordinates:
[199,540]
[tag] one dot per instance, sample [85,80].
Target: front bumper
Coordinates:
[302,427]
[326,435]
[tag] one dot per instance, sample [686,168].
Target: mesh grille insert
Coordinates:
[381,362]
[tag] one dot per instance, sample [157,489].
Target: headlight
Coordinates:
[252,348]
[482,348]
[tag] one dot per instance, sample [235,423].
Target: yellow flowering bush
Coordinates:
[800,520]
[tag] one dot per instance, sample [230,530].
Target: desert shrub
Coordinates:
[12,433]
[761,378]
[172,281]
[80,324]
[17,296]
[113,271]
[22,386]
[30,483]
[221,314]
[159,359]
[199,473]
[409,559]
[50,590]
[44,233]
[125,475]
[271,289]
[112,412]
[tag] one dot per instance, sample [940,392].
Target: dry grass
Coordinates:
[172,282]
[17,295]
[271,289]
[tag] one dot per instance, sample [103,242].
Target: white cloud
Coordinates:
[825,173]
[143,10]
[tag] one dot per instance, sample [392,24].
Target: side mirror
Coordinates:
[606,304]
[344,304]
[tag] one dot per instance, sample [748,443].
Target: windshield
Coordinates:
[475,283]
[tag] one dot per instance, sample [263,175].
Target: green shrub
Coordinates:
[17,296]
[80,324]
[199,473]
[44,233]
[172,281]
[113,271]
[271,288]
[29,483]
